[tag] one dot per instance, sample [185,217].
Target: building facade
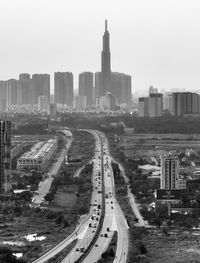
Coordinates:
[25,89]
[63,88]
[185,103]
[170,172]
[143,108]
[155,105]
[13,92]
[5,157]
[40,86]
[39,157]
[85,87]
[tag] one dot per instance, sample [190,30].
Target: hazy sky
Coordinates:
[157,42]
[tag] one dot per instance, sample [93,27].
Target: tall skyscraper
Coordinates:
[143,107]
[13,92]
[86,88]
[121,88]
[3,95]
[185,103]
[167,101]
[170,172]
[25,88]
[5,157]
[155,104]
[40,86]
[63,88]
[105,63]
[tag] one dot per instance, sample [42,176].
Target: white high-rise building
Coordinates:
[170,172]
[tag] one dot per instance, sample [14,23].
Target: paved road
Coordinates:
[45,185]
[114,218]
[83,232]
[96,205]
[141,222]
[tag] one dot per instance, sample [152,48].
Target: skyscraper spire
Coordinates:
[105,62]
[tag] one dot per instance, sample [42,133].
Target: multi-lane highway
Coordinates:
[114,219]
[87,225]
[95,231]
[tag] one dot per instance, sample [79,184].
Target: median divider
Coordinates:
[89,248]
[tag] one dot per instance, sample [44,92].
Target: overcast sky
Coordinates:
[157,42]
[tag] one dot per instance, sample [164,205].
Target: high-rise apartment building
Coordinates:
[86,88]
[167,101]
[3,95]
[126,90]
[13,92]
[155,104]
[185,103]
[143,107]
[5,157]
[25,88]
[170,172]
[105,63]
[63,88]
[121,88]
[40,86]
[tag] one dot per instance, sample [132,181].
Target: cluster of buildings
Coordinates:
[39,156]
[104,90]
[173,103]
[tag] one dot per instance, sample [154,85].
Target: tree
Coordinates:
[142,248]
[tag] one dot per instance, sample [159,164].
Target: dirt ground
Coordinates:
[181,248]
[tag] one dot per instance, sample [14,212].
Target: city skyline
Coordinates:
[156,43]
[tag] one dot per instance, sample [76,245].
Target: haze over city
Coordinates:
[156,42]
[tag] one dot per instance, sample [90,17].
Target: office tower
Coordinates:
[152,90]
[3,95]
[143,107]
[5,157]
[170,172]
[13,92]
[25,88]
[40,86]
[105,63]
[185,103]
[97,85]
[85,87]
[43,104]
[155,104]
[63,88]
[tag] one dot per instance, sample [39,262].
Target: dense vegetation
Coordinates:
[165,124]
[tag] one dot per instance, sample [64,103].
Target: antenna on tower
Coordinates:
[106,25]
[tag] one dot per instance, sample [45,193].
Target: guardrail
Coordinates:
[89,248]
